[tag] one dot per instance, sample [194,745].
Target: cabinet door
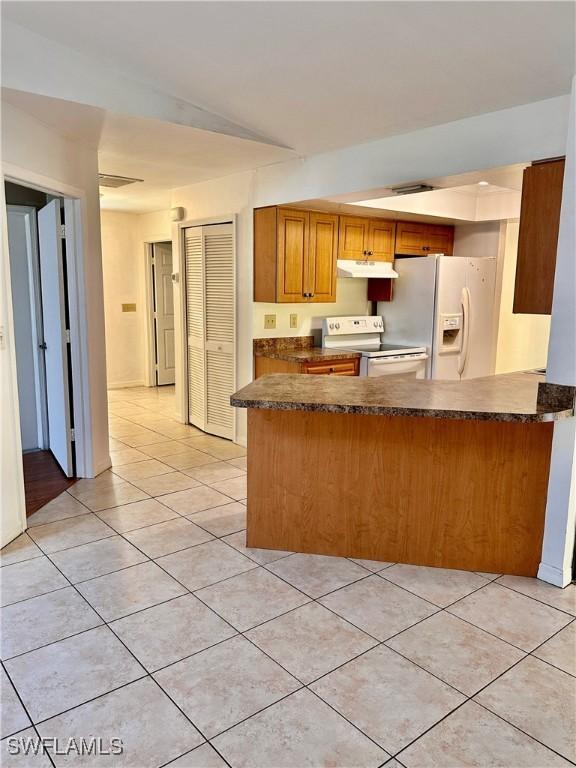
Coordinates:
[323,250]
[293,238]
[538,238]
[353,240]
[381,239]
[418,239]
[410,238]
[439,238]
[333,368]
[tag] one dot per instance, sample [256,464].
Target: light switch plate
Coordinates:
[294,320]
[269,321]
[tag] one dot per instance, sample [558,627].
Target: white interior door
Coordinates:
[23,252]
[164,313]
[211,326]
[55,337]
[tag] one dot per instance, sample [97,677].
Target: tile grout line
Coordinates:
[313,600]
[472,698]
[536,599]
[145,676]
[19,697]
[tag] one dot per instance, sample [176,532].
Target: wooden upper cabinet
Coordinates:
[363,238]
[538,238]
[353,239]
[323,250]
[418,239]
[381,234]
[294,255]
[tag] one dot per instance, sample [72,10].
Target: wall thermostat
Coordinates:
[177,214]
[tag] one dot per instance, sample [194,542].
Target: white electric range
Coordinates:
[364,334]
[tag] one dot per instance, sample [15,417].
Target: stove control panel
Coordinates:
[347,326]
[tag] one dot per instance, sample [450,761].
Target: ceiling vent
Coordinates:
[108,180]
[412,189]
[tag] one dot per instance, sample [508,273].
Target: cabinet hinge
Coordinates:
[72,435]
[67,335]
[62,230]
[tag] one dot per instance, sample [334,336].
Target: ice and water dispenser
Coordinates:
[450,333]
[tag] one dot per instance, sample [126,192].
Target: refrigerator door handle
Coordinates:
[465,329]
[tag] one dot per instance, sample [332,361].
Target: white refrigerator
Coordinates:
[446,304]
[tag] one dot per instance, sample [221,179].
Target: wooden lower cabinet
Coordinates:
[341,367]
[447,493]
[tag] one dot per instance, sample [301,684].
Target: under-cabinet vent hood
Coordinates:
[348,268]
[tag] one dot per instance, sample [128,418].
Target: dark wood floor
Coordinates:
[43,479]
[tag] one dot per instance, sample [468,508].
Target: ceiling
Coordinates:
[489,195]
[314,76]
[164,154]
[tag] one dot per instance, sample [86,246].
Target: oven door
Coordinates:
[410,366]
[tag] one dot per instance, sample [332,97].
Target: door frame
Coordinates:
[29,213]
[149,333]
[180,335]
[74,213]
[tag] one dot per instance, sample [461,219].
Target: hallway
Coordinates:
[133,611]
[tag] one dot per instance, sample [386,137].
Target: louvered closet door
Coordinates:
[195,325]
[210,270]
[220,327]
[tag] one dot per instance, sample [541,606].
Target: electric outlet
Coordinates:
[294,321]
[269,321]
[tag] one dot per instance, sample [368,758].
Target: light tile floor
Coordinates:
[133,609]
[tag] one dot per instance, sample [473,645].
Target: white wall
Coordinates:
[558,547]
[476,240]
[38,156]
[351,300]
[123,265]
[522,338]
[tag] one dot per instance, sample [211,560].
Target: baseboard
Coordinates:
[241,440]
[102,466]
[557,576]
[126,384]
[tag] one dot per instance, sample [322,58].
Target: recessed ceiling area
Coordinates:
[468,202]
[316,76]
[164,155]
[477,196]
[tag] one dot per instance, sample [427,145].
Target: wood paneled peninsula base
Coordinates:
[446,474]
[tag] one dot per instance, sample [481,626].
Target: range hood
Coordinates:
[348,268]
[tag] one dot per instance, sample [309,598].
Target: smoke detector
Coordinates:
[108,180]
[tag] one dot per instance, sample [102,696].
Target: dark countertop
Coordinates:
[298,349]
[523,397]
[310,355]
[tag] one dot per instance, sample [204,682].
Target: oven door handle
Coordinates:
[391,361]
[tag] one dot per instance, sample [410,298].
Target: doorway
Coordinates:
[39,285]
[162,314]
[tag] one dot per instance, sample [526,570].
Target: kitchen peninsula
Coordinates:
[451,474]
